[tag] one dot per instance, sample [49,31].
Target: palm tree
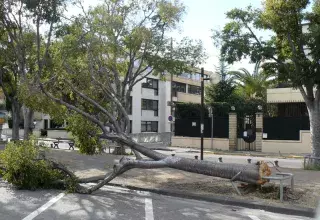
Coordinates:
[252,85]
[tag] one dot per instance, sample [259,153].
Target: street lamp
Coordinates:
[202,111]
[233,108]
[211,116]
[260,108]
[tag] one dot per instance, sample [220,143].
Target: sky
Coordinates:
[203,16]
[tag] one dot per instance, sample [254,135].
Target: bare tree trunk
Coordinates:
[314,116]
[15,119]
[28,122]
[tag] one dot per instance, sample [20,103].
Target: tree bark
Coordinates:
[15,119]
[237,172]
[28,122]
[314,116]
[249,173]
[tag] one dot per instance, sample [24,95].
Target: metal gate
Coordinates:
[246,133]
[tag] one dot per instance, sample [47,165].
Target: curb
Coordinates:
[293,210]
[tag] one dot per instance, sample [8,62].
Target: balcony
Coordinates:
[284,95]
[186,97]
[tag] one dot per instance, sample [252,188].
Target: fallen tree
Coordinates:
[91,70]
[249,173]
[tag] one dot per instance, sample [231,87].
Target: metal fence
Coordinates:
[190,127]
[285,128]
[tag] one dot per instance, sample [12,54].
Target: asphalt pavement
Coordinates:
[118,203]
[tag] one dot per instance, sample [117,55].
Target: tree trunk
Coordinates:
[249,173]
[15,119]
[28,122]
[314,115]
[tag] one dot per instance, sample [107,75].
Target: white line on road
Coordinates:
[149,209]
[44,207]
[253,217]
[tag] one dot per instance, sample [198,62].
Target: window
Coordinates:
[56,125]
[148,104]
[194,89]
[179,87]
[130,127]
[149,126]
[45,123]
[151,84]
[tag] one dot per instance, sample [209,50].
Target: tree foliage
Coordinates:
[253,84]
[292,51]
[21,167]
[101,55]
[223,95]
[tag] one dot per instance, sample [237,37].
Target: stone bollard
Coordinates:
[249,160]
[196,157]
[220,159]
[276,163]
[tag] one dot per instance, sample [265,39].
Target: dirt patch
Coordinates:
[306,192]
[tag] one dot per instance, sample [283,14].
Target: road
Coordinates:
[118,203]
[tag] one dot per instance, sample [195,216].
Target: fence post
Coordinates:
[232,131]
[259,131]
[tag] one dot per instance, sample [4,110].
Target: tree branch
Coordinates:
[74,108]
[97,105]
[124,165]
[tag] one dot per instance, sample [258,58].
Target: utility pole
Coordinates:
[171,97]
[202,112]
[211,116]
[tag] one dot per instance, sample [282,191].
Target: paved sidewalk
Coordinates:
[241,159]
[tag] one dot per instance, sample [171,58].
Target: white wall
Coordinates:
[301,146]
[59,134]
[136,108]
[218,143]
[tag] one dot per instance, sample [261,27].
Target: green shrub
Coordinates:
[312,167]
[22,168]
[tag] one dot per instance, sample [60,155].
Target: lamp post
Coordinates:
[202,111]
[211,116]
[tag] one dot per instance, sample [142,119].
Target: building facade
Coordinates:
[150,102]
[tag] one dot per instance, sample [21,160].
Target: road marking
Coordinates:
[253,217]
[115,189]
[44,207]
[149,209]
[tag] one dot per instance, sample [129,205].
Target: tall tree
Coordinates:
[21,22]
[222,69]
[293,49]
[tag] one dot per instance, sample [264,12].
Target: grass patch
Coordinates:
[315,167]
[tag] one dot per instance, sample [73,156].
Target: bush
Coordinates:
[22,168]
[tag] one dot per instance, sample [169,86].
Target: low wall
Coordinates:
[58,134]
[51,133]
[218,143]
[152,137]
[301,146]
[8,132]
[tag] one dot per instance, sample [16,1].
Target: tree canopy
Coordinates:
[292,50]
